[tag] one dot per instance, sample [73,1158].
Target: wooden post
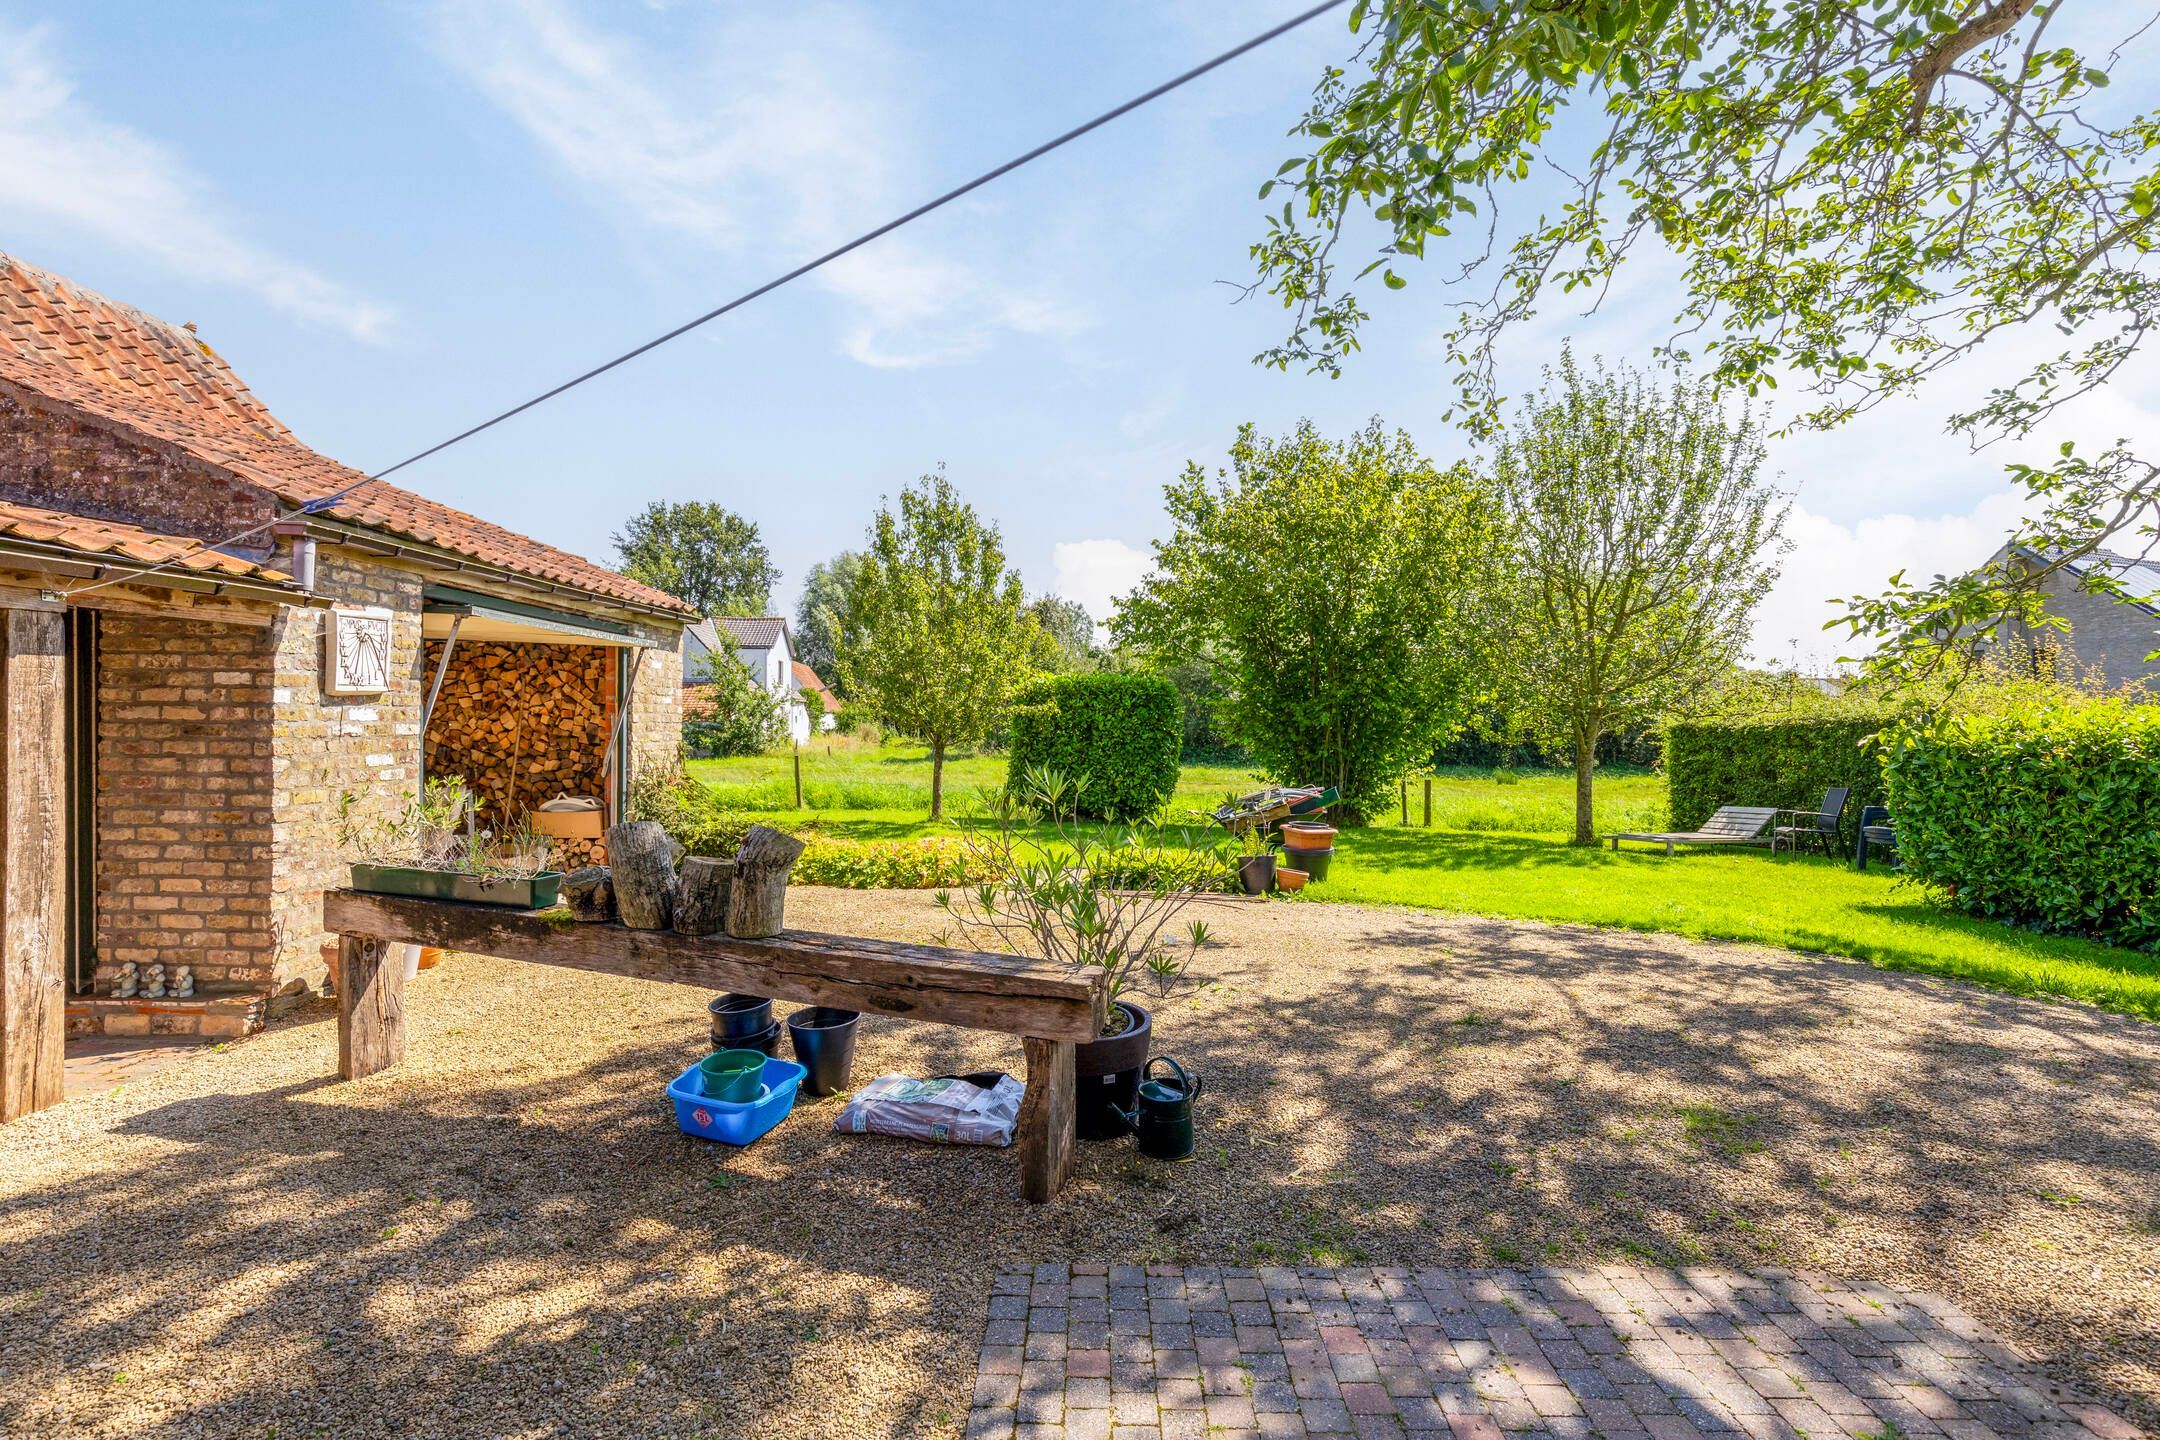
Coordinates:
[1406,800]
[33,858]
[371,1007]
[1428,802]
[1046,1119]
[798,777]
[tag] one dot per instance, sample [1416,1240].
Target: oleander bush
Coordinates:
[1785,759]
[2047,817]
[1120,734]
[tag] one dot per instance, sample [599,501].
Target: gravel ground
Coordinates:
[508,1236]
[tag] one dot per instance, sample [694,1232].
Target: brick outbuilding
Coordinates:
[174,745]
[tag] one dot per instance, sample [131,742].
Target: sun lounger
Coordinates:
[1732,825]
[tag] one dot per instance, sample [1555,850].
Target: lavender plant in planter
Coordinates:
[433,847]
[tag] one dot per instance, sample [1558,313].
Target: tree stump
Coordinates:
[701,900]
[589,893]
[641,867]
[757,902]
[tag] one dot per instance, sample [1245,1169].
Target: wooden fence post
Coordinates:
[1428,802]
[1405,800]
[798,777]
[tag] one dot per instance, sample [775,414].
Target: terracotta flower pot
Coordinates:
[1289,880]
[1298,836]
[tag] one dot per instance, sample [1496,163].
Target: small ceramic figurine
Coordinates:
[183,982]
[127,982]
[153,982]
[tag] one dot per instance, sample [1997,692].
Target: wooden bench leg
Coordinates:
[371,1007]
[1046,1120]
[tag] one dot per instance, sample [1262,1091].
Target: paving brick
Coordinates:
[1094,1352]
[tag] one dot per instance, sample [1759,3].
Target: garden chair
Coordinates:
[1798,829]
[1732,825]
[1876,833]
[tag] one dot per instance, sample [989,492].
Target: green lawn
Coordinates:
[1498,847]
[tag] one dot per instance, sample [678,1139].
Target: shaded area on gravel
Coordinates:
[507,1235]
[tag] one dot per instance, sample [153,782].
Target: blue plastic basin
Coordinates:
[700,1115]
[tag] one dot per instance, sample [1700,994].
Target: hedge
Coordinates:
[2047,817]
[1122,732]
[1782,760]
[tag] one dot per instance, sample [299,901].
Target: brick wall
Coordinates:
[49,458]
[325,745]
[184,798]
[656,708]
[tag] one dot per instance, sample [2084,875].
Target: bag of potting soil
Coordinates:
[947,1110]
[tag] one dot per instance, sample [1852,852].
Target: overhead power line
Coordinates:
[317,506]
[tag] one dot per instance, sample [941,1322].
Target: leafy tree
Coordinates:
[934,626]
[733,715]
[1859,195]
[1334,583]
[824,600]
[699,552]
[1637,532]
[1069,629]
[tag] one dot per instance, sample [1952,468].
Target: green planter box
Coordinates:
[538,893]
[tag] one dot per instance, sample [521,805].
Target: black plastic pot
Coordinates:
[738,1017]
[1108,1071]
[1256,874]
[1315,862]
[767,1040]
[824,1040]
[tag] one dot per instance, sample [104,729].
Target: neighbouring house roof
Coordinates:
[86,536]
[119,365]
[807,679]
[2139,576]
[740,632]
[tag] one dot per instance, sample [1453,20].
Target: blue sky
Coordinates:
[396,220]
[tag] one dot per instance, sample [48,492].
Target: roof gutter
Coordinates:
[87,565]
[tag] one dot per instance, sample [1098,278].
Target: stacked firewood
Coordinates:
[523,724]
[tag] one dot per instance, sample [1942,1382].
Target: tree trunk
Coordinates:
[757,894]
[1585,762]
[641,865]
[701,896]
[937,779]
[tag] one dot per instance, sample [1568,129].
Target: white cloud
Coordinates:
[1097,573]
[65,164]
[1831,561]
[770,138]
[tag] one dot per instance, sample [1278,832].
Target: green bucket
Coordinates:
[732,1076]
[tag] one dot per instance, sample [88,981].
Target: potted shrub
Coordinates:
[1256,863]
[435,848]
[1099,896]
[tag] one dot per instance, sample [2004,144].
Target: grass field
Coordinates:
[1498,847]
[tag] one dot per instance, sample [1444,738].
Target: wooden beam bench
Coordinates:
[1051,1007]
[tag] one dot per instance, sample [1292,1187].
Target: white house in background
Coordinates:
[2109,634]
[762,645]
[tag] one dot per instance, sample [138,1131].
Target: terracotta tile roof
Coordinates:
[807,679]
[127,542]
[77,348]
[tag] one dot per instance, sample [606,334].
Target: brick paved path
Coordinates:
[1085,1352]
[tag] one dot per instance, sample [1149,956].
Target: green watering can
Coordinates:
[1162,1119]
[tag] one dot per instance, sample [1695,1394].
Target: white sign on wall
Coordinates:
[356,651]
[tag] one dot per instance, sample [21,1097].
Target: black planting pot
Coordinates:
[767,1040]
[737,1017]
[1256,874]
[1108,1071]
[1315,862]
[824,1040]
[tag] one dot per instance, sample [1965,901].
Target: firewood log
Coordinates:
[641,865]
[701,901]
[757,901]
[589,893]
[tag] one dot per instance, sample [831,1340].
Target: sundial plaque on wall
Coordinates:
[356,651]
